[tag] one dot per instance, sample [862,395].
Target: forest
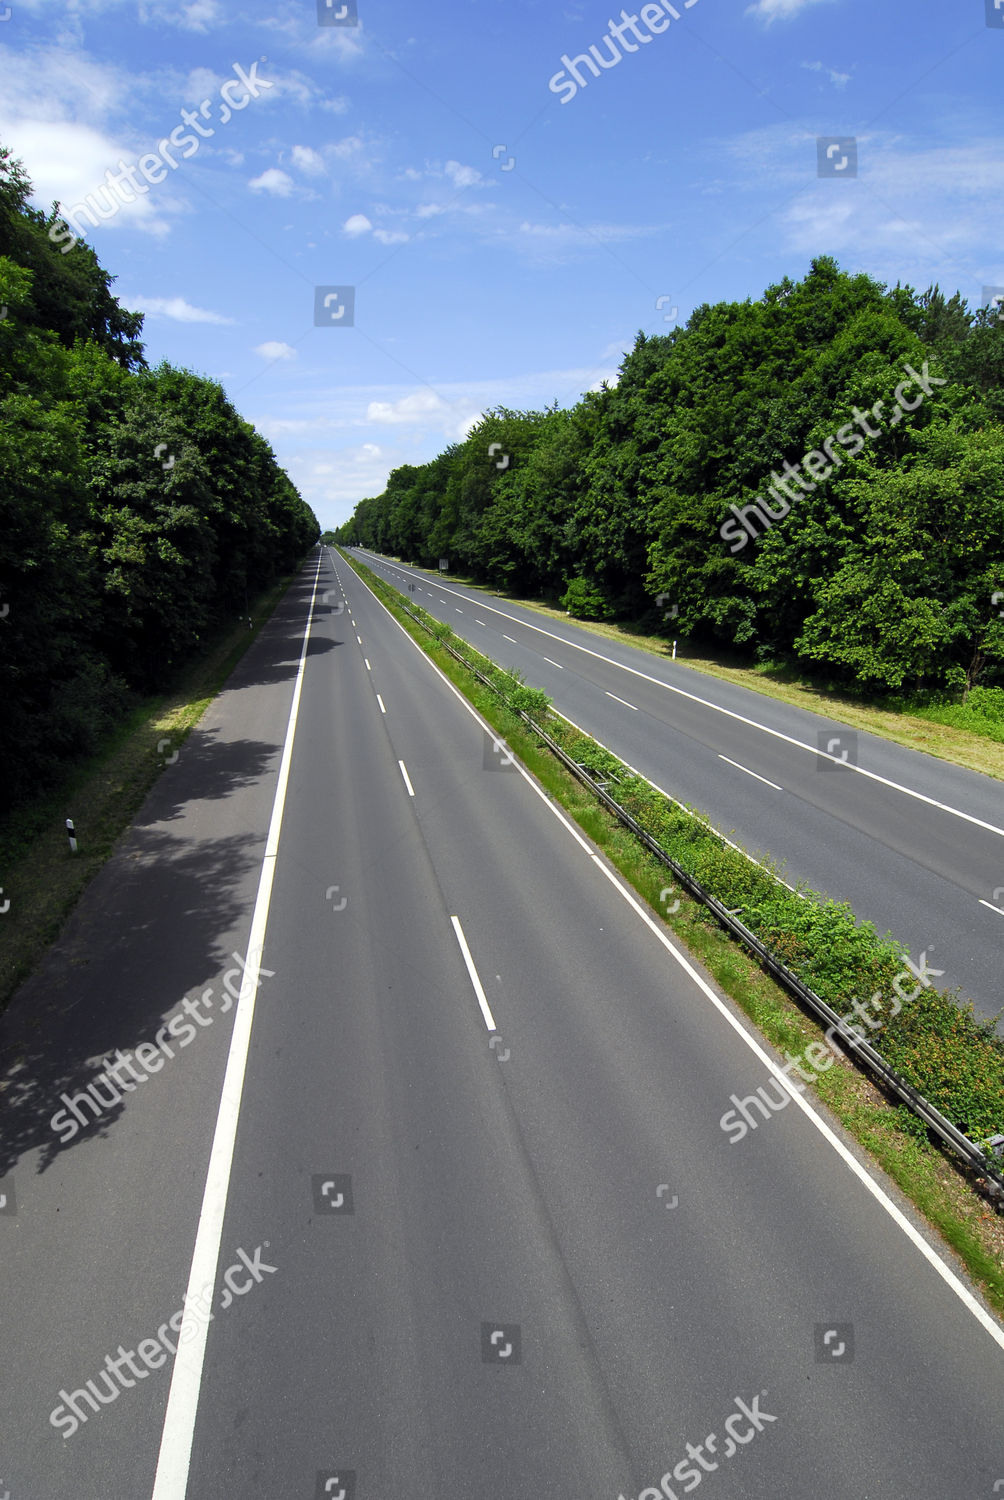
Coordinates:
[138,511]
[863,424]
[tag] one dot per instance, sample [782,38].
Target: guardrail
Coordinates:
[973,1155]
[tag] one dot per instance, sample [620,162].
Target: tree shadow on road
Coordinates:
[158,923]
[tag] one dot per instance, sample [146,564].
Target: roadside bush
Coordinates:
[585,601]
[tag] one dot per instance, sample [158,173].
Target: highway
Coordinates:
[913,843]
[440,1169]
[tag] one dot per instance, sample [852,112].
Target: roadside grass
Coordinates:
[41,878]
[930,730]
[941,1189]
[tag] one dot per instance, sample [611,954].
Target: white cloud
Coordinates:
[416,408]
[564,235]
[67,162]
[359,224]
[308,160]
[198,16]
[273,180]
[200,84]
[837,79]
[174,307]
[332,484]
[778,10]
[274,350]
[56,83]
[918,212]
[461,176]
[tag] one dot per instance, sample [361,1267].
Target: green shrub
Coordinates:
[585,601]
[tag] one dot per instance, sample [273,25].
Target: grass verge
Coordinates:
[42,880]
[933,1181]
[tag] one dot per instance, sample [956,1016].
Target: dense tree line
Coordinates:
[876,567]
[137,509]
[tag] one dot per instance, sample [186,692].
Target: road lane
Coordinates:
[97,1255]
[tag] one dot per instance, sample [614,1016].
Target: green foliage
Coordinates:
[954,1059]
[878,579]
[138,509]
[586,601]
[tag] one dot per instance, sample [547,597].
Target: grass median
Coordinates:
[930,1044]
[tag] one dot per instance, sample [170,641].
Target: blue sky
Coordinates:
[505,247]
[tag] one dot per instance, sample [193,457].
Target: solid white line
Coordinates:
[555,663]
[681,805]
[918,1240]
[997,909]
[743,719]
[380,701]
[751,773]
[849,1160]
[472,971]
[175,1456]
[509,638]
[367,661]
[622,700]
[407,778]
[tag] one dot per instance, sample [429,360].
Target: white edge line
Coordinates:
[171,1482]
[880,1195]
[748,772]
[896,1214]
[475,980]
[997,909]
[717,832]
[407,778]
[742,718]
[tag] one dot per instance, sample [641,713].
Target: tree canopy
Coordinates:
[878,576]
[136,506]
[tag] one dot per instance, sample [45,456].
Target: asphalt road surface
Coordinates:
[916,845]
[440,1168]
